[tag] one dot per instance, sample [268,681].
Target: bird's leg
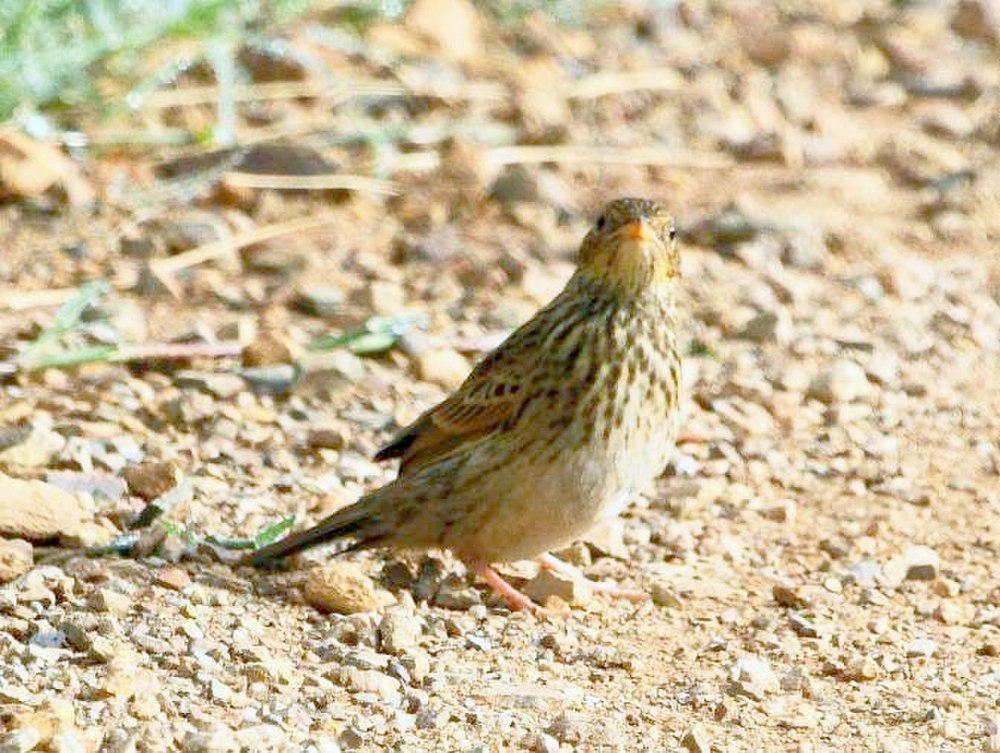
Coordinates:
[556,565]
[693,437]
[511,596]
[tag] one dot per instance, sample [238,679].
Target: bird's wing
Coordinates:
[488,397]
[492,393]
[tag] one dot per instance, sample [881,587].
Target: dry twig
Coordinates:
[20,300]
[163,269]
[619,82]
[327,181]
[570,153]
[650,155]
[337,90]
[588,87]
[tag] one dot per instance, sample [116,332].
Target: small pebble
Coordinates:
[150,480]
[548,584]
[842,382]
[915,563]
[106,600]
[696,740]
[752,676]
[398,632]
[921,647]
[173,578]
[16,558]
[663,596]
[442,367]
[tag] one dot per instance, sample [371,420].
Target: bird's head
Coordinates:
[632,246]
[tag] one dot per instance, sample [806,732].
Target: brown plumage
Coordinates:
[553,430]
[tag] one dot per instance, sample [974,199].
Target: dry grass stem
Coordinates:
[164,268]
[589,87]
[325,182]
[189,96]
[20,300]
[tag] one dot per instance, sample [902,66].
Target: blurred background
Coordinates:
[241,242]
[257,160]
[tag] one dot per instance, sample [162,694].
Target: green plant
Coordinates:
[59,53]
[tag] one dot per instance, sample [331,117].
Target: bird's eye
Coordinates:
[672,232]
[601,222]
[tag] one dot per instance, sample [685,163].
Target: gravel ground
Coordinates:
[821,554]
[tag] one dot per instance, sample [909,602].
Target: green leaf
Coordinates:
[69,358]
[330,342]
[273,531]
[182,532]
[379,334]
[69,314]
[67,319]
[265,537]
[370,343]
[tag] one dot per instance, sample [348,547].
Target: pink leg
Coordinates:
[556,565]
[511,596]
[693,438]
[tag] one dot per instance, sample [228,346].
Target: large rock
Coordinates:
[341,587]
[37,511]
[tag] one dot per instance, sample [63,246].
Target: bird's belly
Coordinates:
[547,504]
[536,509]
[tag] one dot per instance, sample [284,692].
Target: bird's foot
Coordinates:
[514,599]
[556,565]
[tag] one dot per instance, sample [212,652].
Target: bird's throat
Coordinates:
[635,266]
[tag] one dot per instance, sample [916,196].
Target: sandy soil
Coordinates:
[821,553]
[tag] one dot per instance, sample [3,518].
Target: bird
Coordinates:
[552,432]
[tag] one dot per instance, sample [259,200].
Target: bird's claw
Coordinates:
[514,599]
[520,602]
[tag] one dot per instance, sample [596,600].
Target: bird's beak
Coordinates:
[637,230]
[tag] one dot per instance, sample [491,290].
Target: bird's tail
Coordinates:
[358,520]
